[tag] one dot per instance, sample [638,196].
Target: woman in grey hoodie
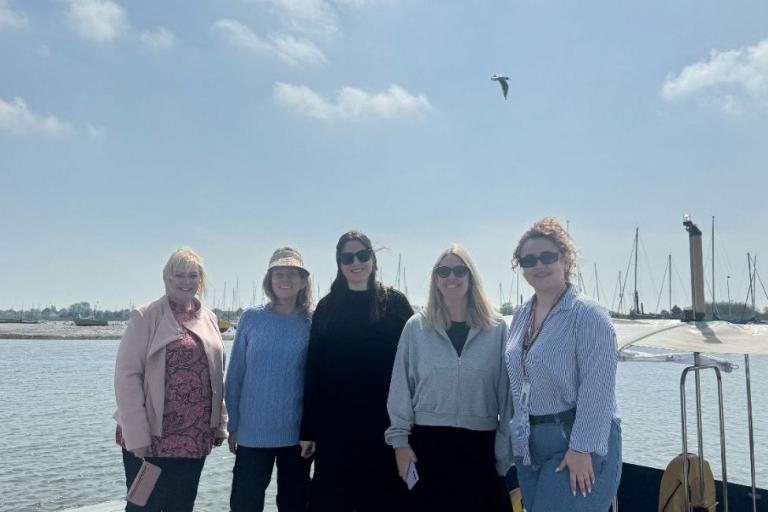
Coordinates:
[448,398]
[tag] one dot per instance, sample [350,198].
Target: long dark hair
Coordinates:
[340,287]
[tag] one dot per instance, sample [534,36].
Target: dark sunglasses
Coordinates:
[348,258]
[458,271]
[546,258]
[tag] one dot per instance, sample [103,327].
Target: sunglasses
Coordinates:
[348,258]
[458,271]
[546,258]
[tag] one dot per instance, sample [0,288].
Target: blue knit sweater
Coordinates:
[265,378]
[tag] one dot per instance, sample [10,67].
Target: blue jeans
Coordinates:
[544,490]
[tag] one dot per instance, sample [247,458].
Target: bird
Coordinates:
[503,83]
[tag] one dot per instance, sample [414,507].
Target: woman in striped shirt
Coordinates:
[561,360]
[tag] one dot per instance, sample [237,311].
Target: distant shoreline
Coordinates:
[67,330]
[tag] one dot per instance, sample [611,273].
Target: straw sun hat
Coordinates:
[287,257]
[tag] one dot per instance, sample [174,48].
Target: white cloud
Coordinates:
[295,51]
[44,51]
[99,21]
[352,103]
[729,79]
[313,17]
[287,48]
[10,18]
[16,118]
[160,38]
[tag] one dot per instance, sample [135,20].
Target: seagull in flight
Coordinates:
[503,83]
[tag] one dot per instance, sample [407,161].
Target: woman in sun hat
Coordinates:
[169,385]
[265,389]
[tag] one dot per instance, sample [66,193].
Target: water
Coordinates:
[57,448]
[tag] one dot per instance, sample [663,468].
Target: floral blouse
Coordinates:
[186,428]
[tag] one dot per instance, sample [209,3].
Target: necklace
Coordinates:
[532,334]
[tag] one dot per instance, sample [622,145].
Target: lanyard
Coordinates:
[530,335]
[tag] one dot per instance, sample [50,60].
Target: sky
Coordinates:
[128,129]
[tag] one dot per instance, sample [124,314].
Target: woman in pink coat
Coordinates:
[169,386]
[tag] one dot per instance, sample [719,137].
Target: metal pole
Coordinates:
[699,422]
[751,433]
[697,369]
[684,429]
[722,437]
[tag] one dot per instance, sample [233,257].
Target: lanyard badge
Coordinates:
[525,384]
[525,394]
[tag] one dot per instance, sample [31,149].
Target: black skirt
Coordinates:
[457,471]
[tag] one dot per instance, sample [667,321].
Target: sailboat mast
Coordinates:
[754,283]
[714,303]
[597,284]
[621,294]
[637,296]
[669,263]
[399,266]
[750,271]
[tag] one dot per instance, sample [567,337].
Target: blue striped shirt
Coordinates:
[264,388]
[571,364]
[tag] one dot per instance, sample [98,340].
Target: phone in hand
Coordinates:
[144,483]
[411,476]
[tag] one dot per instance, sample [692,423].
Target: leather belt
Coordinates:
[559,417]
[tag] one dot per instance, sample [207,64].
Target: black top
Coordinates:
[458,332]
[349,366]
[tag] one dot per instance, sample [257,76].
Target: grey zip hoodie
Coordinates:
[432,386]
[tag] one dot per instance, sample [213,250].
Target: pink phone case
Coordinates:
[144,484]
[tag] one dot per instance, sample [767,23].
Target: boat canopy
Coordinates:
[715,337]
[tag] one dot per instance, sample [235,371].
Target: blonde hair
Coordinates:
[550,229]
[303,299]
[480,311]
[184,258]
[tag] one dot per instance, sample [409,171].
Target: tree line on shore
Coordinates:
[86,310]
[724,311]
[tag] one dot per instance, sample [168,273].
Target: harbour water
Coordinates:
[57,448]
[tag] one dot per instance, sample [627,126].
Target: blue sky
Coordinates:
[237,126]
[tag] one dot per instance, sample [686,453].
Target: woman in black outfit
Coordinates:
[352,345]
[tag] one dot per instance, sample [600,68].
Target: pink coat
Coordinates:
[140,370]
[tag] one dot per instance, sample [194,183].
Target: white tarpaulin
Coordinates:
[705,337]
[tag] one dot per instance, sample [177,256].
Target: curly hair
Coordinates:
[550,229]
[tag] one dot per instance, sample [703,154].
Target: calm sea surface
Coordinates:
[57,448]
